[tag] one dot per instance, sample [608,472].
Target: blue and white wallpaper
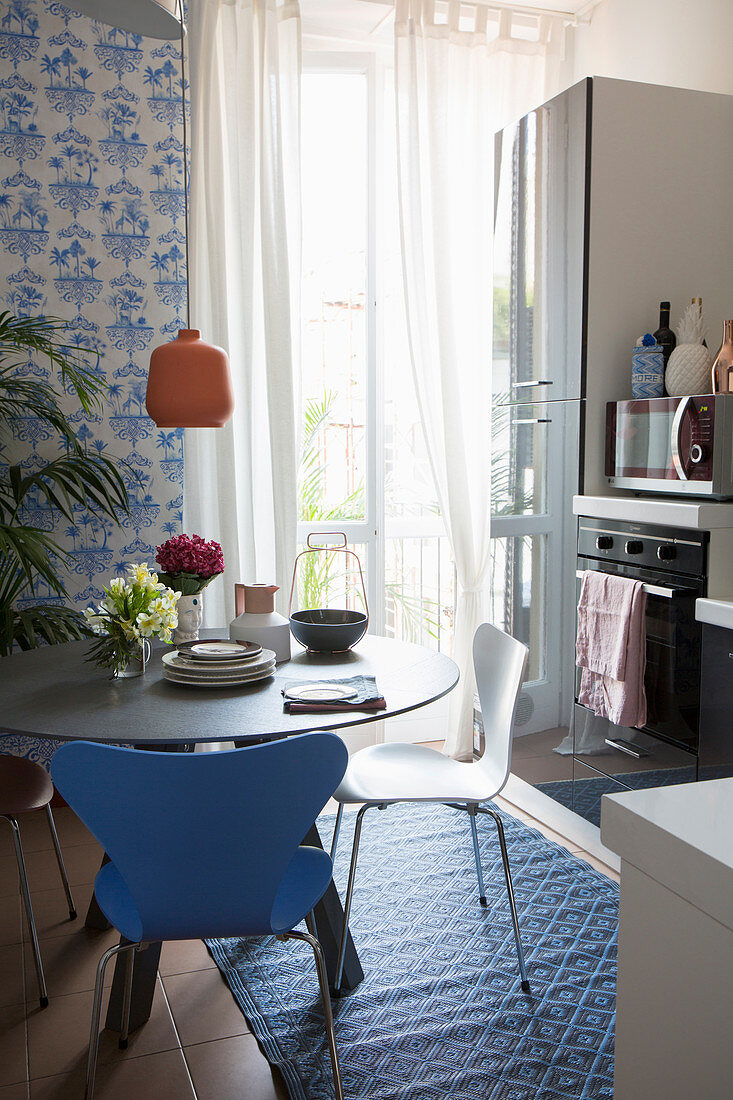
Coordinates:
[92,230]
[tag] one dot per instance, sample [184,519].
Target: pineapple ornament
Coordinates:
[688,368]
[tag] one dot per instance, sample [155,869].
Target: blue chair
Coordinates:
[205,845]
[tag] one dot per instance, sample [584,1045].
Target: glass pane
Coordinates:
[330,578]
[518,470]
[334,178]
[420,591]
[517,594]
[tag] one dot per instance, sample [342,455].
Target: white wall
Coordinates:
[683,43]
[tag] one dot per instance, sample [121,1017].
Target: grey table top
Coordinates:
[52,692]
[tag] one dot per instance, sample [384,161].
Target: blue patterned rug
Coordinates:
[440,1013]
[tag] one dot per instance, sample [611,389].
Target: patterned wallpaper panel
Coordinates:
[92,230]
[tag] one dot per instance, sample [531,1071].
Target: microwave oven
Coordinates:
[677,445]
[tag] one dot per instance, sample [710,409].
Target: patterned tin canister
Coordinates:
[647,371]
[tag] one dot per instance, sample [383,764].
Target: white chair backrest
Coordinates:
[499,662]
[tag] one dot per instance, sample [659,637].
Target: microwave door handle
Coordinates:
[650,589]
[676,440]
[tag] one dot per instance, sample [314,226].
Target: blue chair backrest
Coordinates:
[211,832]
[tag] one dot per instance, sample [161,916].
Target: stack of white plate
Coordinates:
[218,664]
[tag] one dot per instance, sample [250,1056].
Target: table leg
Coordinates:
[144,973]
[329,920]
[95,918]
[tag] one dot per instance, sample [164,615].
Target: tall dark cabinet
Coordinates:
[606,200]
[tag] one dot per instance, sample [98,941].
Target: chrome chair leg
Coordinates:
[96,1013]
[309,937]
[60,861]
[510,892]
[43,992]
[336,830]
[349,895]
[477,854]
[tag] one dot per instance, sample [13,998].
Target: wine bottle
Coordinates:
[723,362]
[664,334]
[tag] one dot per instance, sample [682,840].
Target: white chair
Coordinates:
[384,774]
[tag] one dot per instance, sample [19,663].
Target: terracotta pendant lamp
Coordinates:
[189,385]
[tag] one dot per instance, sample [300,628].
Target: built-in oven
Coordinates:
[672,564]
[678,445]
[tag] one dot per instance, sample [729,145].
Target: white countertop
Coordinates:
[680,836]
[716,612]
[700,515]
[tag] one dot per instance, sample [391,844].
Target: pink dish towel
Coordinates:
[611,647]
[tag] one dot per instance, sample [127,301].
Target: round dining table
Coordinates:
[54,692]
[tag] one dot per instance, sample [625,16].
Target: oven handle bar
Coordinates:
[626,747]
[650,589]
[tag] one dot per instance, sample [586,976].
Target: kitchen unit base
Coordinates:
[675,996]
[675,971]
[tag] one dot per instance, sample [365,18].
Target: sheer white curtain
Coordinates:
[240,481]
[457,82]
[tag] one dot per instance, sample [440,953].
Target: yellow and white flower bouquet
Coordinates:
[134,609]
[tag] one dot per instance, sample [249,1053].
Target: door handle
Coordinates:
[537,420]
[626,747]
[676,441]
[528,385]
[650,589]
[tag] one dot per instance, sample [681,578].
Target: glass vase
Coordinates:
[132,661]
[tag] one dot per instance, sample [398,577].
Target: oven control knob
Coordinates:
[634,546]
[666,552]
[604,542]
[697,453]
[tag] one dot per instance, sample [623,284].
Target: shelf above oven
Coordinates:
[699,515]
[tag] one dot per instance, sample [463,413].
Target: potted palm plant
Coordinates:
[28,554]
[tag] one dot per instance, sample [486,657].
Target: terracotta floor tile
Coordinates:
[82,863]
[15,1092]
[7,846]
[230,1069]
[8,875]
[11,916]
[52,912]
[58,1036]
[11,975]
[70,962]
[162,1076]
[35,834]
[203,1007]
[13,1066]
[183,956]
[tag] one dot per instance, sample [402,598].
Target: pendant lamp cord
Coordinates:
[185,155]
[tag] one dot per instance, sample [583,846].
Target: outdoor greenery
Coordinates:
[29,554]
[321,575]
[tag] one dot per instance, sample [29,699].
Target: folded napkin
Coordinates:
[367,697]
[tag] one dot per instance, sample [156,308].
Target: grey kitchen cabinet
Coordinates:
[607,199]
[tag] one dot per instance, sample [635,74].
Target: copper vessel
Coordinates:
[723,363]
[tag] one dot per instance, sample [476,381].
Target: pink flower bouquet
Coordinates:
[188,563]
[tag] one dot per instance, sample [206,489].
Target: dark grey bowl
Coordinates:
[328,631]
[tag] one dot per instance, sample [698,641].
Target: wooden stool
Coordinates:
[25,786]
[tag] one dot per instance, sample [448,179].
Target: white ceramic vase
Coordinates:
[190,617]
[688,370]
